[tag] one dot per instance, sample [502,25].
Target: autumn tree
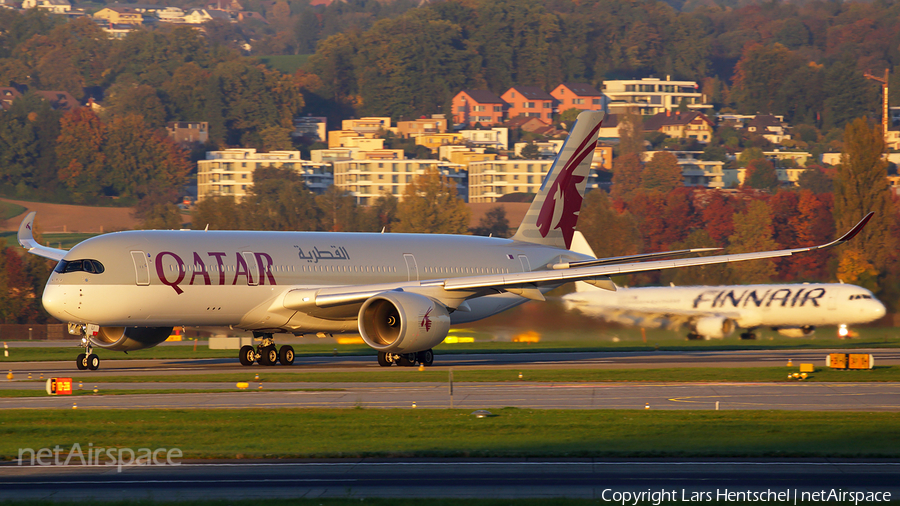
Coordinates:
[608,232]
[339,212]
[430,205]
[861,187]
[631,135]
[217,213]
[79,150]
[752,232]
[662,173]
[627,172]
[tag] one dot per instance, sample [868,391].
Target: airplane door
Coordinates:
[141,269]
[526,265]
[252,268]
[411,268]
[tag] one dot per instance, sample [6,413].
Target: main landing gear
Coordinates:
[266,353]
[405,359]
[87,360]
[748,335]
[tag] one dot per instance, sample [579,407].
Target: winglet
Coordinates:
[850,234]
[26,240]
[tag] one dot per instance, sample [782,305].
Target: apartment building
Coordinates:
[342,154]
[367,180]
[230,172]
[530,102]
[490,180]
[478,106]
[368,126]
[653,95]
[436,124]
[435,141]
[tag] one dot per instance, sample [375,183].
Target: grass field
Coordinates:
[407,375]
[287,64]
[331,433]
[9,210]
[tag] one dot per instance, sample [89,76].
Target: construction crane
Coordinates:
[884,88]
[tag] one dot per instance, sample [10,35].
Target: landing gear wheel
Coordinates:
[247,355]
[382,359]
[286,355]
[426,357]
[407,359]
[268,356]
[694,337]
[93,362]
[81,361]
[748,335]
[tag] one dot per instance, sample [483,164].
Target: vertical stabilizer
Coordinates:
[552,216]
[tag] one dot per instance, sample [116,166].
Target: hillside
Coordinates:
[59,218]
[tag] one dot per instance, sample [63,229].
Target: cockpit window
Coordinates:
[91,266]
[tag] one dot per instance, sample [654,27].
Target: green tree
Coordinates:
[662,173]
[124,99]
[493,223]
[430,205]
[275,138]
[279,200]
[815,180]
[338,212]
[530,151]
[217,213]
[761,175]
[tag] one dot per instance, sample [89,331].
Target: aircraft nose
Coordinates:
[879,310]
[54,303]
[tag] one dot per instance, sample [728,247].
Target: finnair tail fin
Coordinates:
[552,216]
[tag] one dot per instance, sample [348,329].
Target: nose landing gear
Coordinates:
[87,360]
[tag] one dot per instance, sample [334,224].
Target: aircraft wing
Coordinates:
[26,240]
[454,291]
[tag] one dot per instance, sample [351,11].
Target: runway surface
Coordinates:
[668,396]
[587,478]
[461,361]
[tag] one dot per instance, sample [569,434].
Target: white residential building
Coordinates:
[230,172]
[53,6]
[497,138]
[367,180]
[652,95]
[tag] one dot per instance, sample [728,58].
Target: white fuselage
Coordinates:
[239,279]
[749,306]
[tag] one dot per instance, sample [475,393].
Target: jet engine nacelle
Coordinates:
[714,326]
[401,322]
[797,331]
[130,338]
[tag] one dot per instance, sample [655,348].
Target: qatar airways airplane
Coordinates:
[401,292]
[793,310]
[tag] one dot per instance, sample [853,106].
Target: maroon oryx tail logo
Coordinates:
[563,200]
[426,321]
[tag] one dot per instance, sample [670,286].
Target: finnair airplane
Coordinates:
[401,292]
[794,310]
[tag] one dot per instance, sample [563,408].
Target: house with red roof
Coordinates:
[478,106]
[579,96]
[530,102]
